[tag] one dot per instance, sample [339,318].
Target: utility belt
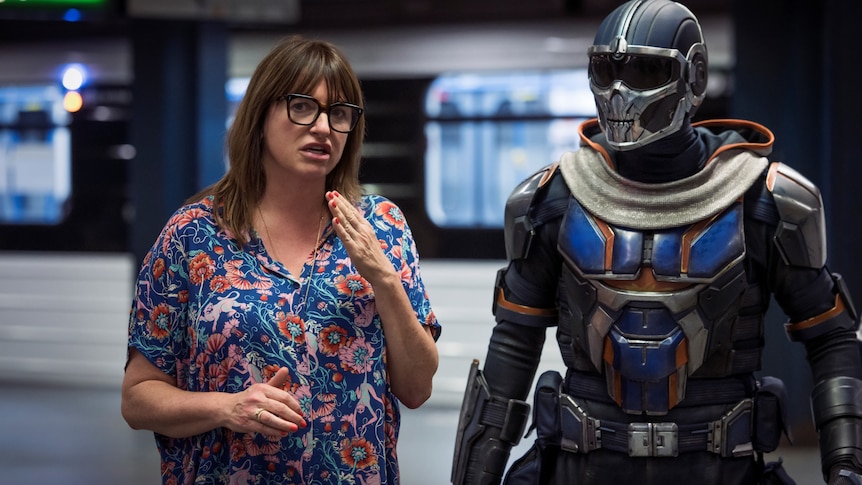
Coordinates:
[754,422]
[729,436]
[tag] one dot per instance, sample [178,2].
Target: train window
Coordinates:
[35,155]
[487,132]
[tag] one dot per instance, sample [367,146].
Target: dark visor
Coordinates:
[635,71]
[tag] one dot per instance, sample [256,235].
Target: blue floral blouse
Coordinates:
[220,318]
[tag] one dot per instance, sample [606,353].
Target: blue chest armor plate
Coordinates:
[646,331]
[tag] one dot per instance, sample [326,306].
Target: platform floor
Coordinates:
[76,436]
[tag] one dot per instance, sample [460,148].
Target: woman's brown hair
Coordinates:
[295,65]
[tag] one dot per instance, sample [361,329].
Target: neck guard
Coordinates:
[648,206]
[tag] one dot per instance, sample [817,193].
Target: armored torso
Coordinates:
[655,306]
[653,296]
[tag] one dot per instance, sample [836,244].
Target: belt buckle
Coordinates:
[653,439]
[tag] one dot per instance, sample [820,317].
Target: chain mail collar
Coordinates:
[644,206]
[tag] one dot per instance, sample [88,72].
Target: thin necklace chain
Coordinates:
[317,236]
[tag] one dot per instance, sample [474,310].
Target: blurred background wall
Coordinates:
[112,112]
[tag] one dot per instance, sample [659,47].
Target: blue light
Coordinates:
[72,15]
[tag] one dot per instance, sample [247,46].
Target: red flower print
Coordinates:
[183,296]
[158,268]
[219,284]
[259,444]
[406,273]
[215,342]
[201,268]
[324,411]
[353,285]
[184,218]
[269,371]
[331,339]
[356,357]
[242,279]
[291,326]
[218,249]
[390,213]
[237,450]
[159,324]
[358,453]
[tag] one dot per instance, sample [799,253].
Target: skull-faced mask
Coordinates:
[648,71]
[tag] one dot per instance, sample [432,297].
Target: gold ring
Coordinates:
[257,415]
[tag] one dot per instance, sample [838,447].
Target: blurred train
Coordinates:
[457,114]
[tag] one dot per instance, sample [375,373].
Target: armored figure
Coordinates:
[654,250]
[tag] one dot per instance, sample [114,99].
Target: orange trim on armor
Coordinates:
[595,146]
[682,354]
[817,319]
[687,238]
[608,353]
[770,175]
[743,123]
[646,282]
[673,379]
[609,235]
[690,235]
[522,309]
[616,389]
[549,173]
[672,386]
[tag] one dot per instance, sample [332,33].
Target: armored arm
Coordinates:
[829,334]
[489,425]
[494,413]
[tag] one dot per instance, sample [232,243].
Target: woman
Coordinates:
[280,316]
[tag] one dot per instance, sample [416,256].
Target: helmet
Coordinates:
[647,71]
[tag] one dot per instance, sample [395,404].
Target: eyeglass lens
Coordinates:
[304,110]
[637,72]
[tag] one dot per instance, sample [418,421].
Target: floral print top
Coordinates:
[220,318]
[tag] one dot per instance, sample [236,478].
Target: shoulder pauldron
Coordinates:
[801,233]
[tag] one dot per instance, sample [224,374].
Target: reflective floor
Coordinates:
[61,368]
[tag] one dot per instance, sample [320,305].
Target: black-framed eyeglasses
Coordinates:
[304,110]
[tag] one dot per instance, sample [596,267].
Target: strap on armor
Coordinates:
[837,407]
[503,309]
[522,217]
[842,315]
[480,457]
